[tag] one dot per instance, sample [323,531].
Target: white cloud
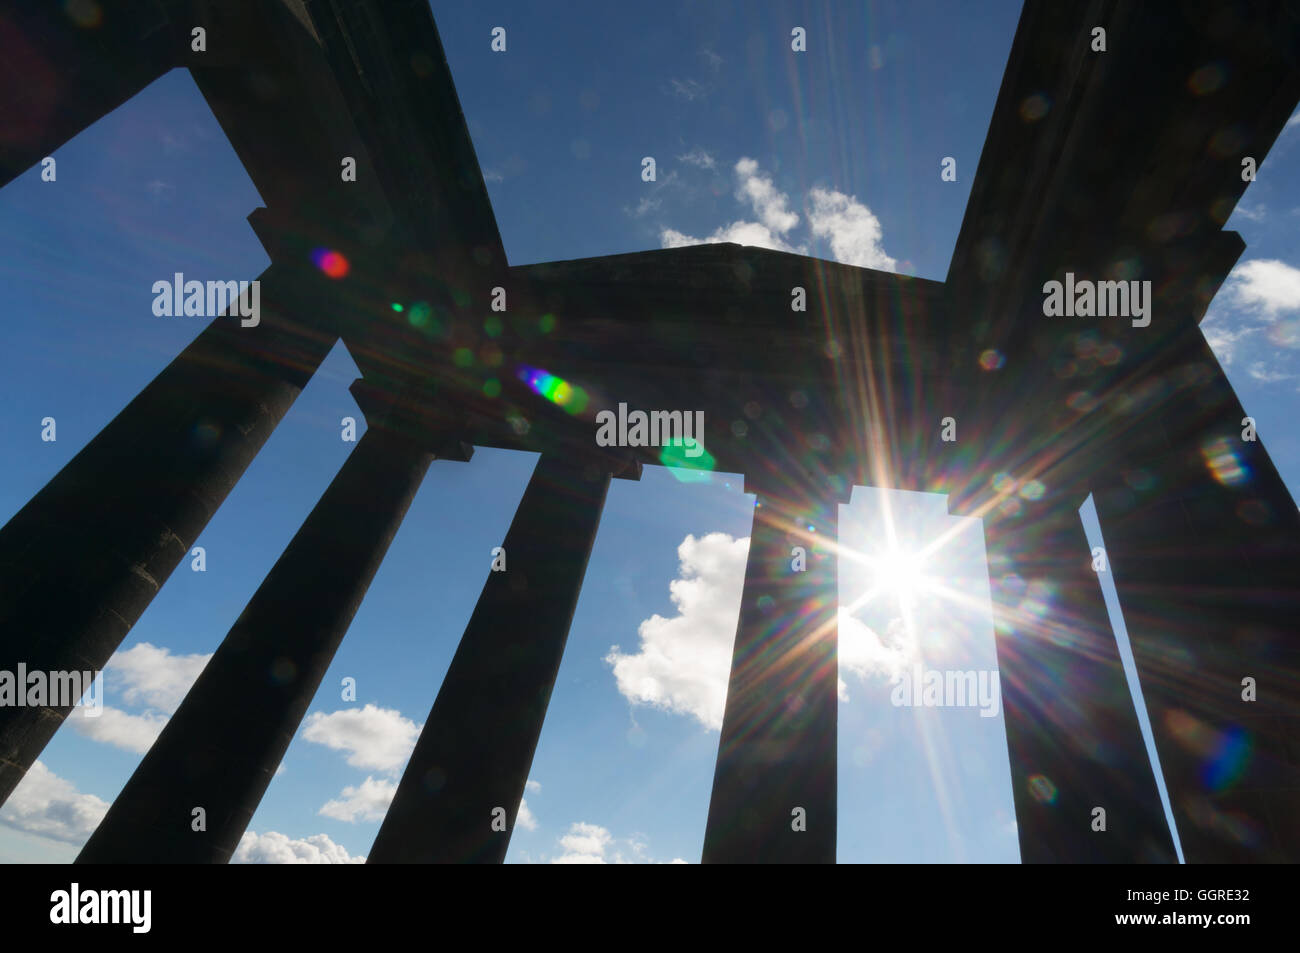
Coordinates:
[683,663]
[866,654]
[1266,285]
[1223,339]
[375,738]
[274,848]
[713,59]
[145,676]
[851,230]
[150,676]
[688,89]
[647,204]
[593,844]
[586,841]
[1260,372]
[1293,121]
[122,730]
[532,785]
[525,818]
[742,233]
[367,801]
[44,803]
[770,205]
[698,157]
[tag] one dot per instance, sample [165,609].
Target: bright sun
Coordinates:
[901,573]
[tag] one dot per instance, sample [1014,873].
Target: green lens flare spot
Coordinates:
[420,314]
[492,387]
[688,462]
[463,357]
[546,323]
[493,326]
[397,307]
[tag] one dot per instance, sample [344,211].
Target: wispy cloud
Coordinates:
[698,157]
[688,89]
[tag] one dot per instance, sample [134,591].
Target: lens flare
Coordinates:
[1223,463]
[557,390]
[331,262]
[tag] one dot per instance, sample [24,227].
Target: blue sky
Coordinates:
[834,152]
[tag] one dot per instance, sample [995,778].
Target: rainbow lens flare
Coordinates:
[557,390]
[331,262]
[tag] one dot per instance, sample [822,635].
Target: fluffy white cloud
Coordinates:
[1266,285]
[150,676]
[274,848]
[122,730]
[377,739]
[532,785]
[852,230]
[868,655]
[367,801]
[683,663]
[593,844]
[742,233]
[584,844]
[525,818]
[44,803]
[770,204]
[144,676]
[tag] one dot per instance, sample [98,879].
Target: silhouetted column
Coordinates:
[774,787]
[477,745]
[1072,730]
[58,76]
[223,745]
[84,558]
[1204,541]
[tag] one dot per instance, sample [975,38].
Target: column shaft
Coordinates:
[223,745]
[774,788]
[477,745]
[1204,541]
[1072,730]
[84,558]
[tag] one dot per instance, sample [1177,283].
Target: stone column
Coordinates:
[223,745]
[1204,540]
[774,788]
[1072,730]
[84,558]
[460,792]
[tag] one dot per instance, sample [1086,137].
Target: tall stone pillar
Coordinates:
[774,787]
[1072,730]
[84,558]
[1204,541]
[223,745]
[460,792]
